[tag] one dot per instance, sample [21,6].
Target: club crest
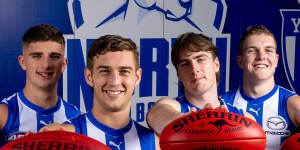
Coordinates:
[289,38]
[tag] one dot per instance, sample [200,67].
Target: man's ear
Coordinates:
[217,64]
[239,61]
[138,76]
[22,62]
[64,64]
[88,77]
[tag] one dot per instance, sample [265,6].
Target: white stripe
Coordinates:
[60,115]
[131,144]
[27,116]
[239,101]
[94,132]
[270,109]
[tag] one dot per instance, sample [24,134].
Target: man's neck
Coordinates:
[45,98]
[201,100]
[114,120]
[259,88]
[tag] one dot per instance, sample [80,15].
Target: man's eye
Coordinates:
[55,56]
[270,50]
[36,56]
[104,71]
[183,64]
[124,72]
[200,60]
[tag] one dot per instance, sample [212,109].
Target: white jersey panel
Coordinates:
[27,117]
[132,144]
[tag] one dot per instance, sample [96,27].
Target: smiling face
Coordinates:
[197,72]
[259,58]
[44,62]
[114,77]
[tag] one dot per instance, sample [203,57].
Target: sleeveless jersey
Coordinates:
[186,106]
[131,137]
[24,116]
[270,111]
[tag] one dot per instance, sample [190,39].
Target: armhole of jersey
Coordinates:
[80,124]
[70,110]
[287,94]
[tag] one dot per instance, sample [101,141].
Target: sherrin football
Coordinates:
[55,140]
[213,129]
[291,143]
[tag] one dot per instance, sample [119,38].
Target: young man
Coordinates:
[276,109]
[38,103]
[195,59]
[113,72]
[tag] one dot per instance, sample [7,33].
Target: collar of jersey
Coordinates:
[259,99]
[38,108]
[191,105]
[108,129]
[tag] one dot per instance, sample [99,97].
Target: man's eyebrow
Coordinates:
[103,67]
[199,56]
[126,67]
[35,53]
[107,67]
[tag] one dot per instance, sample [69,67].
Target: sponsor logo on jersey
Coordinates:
[14,136]
[277,126]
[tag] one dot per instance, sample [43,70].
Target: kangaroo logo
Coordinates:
[201,15]
[118,146]
[219,124]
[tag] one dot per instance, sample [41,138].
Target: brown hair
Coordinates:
[111,43]
[195,43]
[259,29]
[43,32]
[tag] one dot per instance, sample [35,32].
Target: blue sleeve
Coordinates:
[70,110]
[229,96]
[79,124]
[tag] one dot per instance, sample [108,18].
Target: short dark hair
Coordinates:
[259,29]
[111,43]
[195,43]
[43,32]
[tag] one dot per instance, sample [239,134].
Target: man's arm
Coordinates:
[162,113]
[293,107]
[4,115]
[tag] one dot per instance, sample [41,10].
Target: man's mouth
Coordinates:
[259,66]
[45,75]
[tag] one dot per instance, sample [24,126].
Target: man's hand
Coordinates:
[58,127]
[209,106]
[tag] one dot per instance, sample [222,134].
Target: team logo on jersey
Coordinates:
[276,123]
[290,49]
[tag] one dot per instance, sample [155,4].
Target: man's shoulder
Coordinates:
[229,94]
[70,106]
[142,128]
[9,99]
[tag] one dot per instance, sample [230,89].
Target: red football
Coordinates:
[213,129]
[55,140]
[293,142]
